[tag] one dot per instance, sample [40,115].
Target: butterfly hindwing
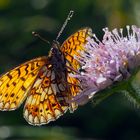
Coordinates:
[15,84]
[47,99]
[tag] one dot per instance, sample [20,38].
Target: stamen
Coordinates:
[128,31]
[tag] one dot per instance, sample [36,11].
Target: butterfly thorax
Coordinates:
[56,57]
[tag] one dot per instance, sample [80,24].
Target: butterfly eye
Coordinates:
[54,50]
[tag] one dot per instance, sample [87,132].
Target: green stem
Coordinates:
[100,96]
[133,96]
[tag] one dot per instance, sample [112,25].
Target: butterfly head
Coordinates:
[55,49]
[55,44]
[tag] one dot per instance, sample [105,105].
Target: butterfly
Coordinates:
[45,82]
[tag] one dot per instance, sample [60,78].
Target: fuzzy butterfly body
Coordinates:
[45,82]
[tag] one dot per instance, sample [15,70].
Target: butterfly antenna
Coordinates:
[65,23]
[40,37]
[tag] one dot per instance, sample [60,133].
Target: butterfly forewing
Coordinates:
[74,44]
[70,49]
[15,84]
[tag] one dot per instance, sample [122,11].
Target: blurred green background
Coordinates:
[113,119]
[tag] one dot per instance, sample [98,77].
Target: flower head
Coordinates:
[107,61]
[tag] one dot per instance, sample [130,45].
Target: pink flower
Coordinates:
[108,61]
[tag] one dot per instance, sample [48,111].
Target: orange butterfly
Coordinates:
[45,82]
